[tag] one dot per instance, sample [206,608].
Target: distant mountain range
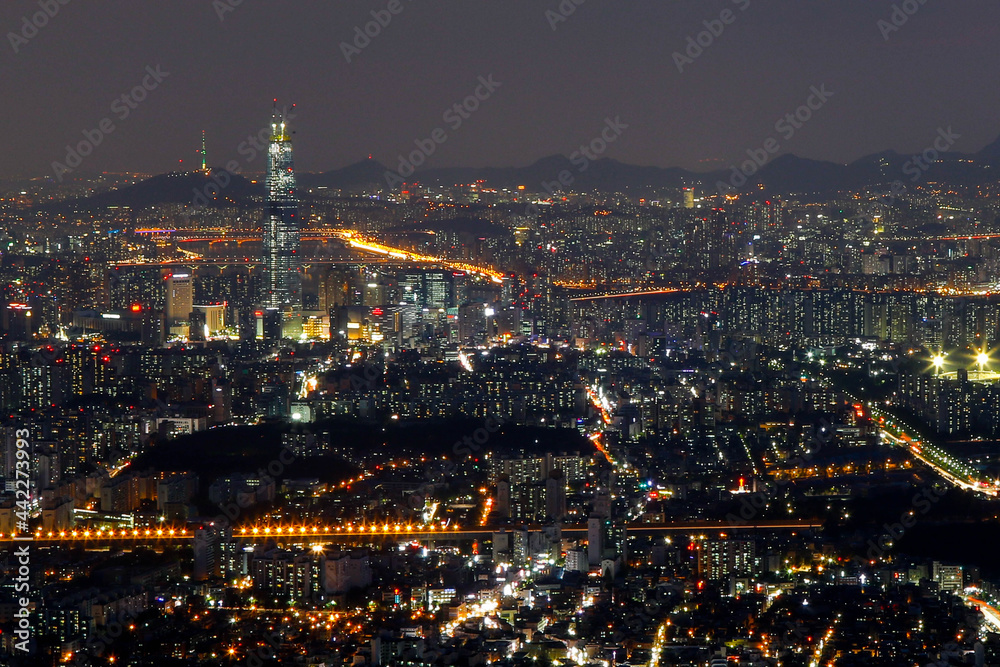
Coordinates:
[172,188]
[787,174]
[784,174]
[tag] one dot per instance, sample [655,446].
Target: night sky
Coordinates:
[609,58]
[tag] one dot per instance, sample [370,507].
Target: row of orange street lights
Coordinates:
[100,532]
[349,528]
[267,530]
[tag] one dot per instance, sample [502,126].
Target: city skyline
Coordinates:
[343,387]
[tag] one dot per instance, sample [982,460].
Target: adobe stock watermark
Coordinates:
[363,36]
[22,480]
[367,380]
[921,505]
[22,580]
[698,44]
[273,470]
[30,25]
[455,116]
[269,651]
[787,126]
[587,153]
[916,167]
[462,449]
[950,647]
[22,617]
[899,17]
[582,158]
[562,12]
[223,7]
[122,107]
[740,351]
[653,608]
[751,505]
[883,201]
[249,149]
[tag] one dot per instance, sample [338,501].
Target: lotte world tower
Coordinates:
[282,267]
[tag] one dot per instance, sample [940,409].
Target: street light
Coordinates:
[982,359]
[938,361]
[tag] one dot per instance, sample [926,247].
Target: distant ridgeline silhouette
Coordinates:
[784,174]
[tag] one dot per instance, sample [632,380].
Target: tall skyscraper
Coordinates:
[180,297]
[688,197]
[282,266]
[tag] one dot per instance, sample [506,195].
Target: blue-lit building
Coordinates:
[282,267]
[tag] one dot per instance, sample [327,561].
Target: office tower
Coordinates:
[334,289]
[438,290]
[282,267]
[17,323]
[351,322]
[373,294]
[198,330]
[180,297]
[688,197]
[411,286]
[214,317]
[270,326]
[949,577]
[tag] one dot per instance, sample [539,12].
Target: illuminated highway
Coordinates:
[246,261]
[896,432]
[352,532]
[354,240]
[989,612]
[385,253]
[623,295]
[954,471]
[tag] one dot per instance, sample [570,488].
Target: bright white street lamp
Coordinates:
[982,359]
[938,362]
